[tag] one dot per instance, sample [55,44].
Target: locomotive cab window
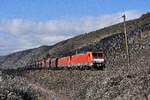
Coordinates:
[97,55]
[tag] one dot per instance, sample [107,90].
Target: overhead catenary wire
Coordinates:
[115,21]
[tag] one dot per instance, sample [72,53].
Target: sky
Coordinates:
[27,24]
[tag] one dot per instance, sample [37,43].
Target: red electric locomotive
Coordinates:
[88,60]
[64,62]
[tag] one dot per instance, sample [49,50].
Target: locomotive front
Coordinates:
[99,59]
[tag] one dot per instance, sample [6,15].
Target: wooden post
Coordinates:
[126,41]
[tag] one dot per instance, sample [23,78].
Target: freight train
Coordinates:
[88,60]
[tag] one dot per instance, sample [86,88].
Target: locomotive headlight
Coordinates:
[98,60]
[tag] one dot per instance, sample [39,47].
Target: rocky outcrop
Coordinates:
[16,88]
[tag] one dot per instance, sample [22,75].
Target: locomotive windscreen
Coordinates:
[97,55]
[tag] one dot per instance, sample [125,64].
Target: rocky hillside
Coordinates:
[117,81]
[81,43]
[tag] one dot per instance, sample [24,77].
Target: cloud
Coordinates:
[19,34]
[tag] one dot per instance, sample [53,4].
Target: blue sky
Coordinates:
[57,9]
[30,23]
